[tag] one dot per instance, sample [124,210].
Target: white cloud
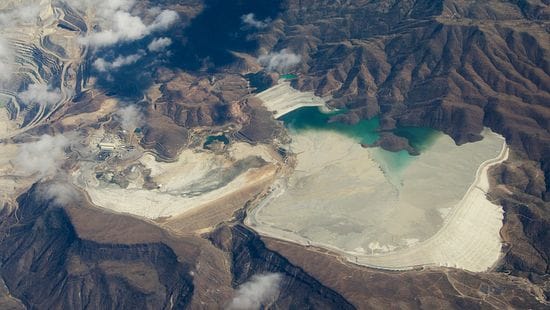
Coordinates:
[124,28]
[130,118]
[6,61]
[38,93]
[25,12]
[164,20]
[159,45]
[43,157]
[280,61]
[119,25]
[103,9]
[257,292]
[103,65]
[250,20]
[60,193]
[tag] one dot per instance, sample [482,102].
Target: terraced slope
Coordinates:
[45,52]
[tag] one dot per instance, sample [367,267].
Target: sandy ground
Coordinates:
[12,183]
[282,99]
[181,183]
[470,238]
[339,198]
[7,126]
[205,218]
[156,204]
[108,106]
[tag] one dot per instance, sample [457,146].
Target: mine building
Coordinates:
[106,147]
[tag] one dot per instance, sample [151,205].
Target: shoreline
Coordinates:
[469,238]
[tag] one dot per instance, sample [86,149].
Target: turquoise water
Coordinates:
[421,138]
[211,139]
[365,131]
[289,76]
[307,118]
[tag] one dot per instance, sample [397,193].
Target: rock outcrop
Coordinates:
[393,143]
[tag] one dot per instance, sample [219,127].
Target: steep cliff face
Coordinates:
[46,265]
[249,256]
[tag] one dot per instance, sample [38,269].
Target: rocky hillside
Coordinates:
[451,65]
[250,256]
[47,266]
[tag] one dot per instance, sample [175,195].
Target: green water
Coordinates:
[365,131]
[289,76]
[421,138]
[211,139]
[312,118]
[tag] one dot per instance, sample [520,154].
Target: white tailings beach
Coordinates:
[339,198]
[430,210]
[196,179]
[282,99]
[470,238]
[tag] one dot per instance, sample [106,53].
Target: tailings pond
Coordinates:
[367,200]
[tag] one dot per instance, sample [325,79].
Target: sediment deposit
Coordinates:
[160,191]
[342,198]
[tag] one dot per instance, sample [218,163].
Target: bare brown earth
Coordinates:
[163,137]
[518,186]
